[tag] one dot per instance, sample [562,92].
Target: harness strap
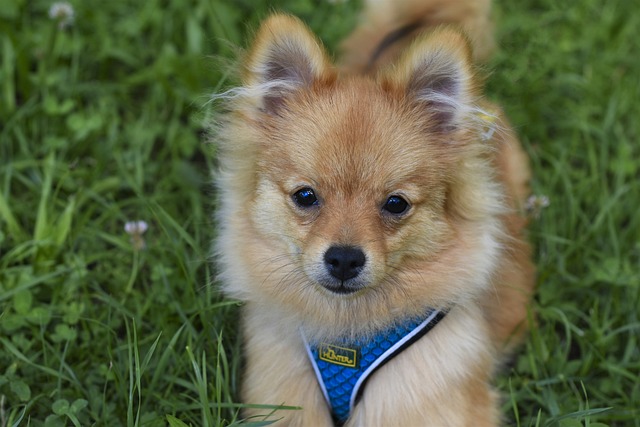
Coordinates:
[343,367]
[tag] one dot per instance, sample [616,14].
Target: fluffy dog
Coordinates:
[373,199]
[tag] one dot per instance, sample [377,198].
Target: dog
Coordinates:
[371,221]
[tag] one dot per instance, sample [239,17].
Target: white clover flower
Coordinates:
[63,13]
[535,204]
[136,229]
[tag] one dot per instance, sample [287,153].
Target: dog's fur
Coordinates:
[382,124]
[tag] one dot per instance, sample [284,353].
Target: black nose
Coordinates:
[344,262]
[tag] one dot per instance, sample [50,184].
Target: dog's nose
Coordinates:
[344,262]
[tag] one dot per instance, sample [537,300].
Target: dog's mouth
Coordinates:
[342,288]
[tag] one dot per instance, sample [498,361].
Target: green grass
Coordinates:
[102,123]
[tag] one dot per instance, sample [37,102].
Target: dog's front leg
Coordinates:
[278,372]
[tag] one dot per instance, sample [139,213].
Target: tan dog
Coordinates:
[353,200]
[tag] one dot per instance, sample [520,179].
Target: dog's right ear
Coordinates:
[284,58]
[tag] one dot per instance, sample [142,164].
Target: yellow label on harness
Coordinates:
[338,355]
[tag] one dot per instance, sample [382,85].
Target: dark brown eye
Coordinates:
[305,198]
[396,205]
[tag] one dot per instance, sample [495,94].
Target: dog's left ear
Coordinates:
[436,73]
[285,57]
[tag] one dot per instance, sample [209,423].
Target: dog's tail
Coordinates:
[387,26]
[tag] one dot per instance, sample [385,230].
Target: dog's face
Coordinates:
[355,197]
[346,180]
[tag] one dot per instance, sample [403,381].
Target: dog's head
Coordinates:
[347,198]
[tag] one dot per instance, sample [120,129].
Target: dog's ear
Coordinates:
[436,73]
[285,57]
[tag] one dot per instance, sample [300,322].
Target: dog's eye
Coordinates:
[305,197]
[396,205]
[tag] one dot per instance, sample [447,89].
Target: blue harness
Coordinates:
[343,367]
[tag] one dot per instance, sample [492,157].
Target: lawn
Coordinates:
[103,122]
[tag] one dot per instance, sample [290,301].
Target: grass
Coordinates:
[102,123]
